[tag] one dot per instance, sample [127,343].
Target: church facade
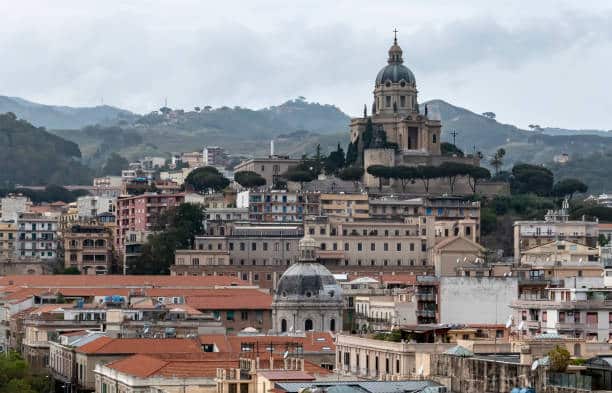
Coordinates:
[401,134]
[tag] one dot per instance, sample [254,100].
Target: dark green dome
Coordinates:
[395,73]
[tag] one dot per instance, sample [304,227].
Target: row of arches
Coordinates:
[308,325]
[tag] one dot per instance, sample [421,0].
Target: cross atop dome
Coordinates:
[395,36]
[395,52]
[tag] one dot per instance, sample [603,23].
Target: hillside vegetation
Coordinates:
[30,155]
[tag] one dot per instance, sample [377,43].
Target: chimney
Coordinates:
[272,148]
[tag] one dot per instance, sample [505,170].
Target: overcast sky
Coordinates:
[543,62]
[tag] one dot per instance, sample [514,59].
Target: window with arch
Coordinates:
[308,326]
[88,243]
[100,243]
[433,138]
[283,325]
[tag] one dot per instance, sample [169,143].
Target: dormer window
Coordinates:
[403,84]
[388,84]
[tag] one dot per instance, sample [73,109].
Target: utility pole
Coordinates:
[453,133]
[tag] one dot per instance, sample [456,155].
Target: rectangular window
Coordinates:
[398,247]
[387,101]
[411,246]
[244,315]
[372,246]
[386,246]
[230,315]
[359,247]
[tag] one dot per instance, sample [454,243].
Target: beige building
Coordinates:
[344,206]
[396,119]
[453,253]
[88,248]
[8,239]
[270,168]
[372,242]
[555,227]
[562,251]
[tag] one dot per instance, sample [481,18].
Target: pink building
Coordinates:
[138,213]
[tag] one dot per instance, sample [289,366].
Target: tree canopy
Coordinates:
[16,376]
[249,179]
[351,173]
[527,178]
[448,149]
[114,165]
[568,187]
[205,179]
[176,228]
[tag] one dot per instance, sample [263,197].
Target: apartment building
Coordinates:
[454,216]
[401,243]
[270,168]
[257,253]
[220,221]
[212,155]
[555,227]
[89,248]
[37,236]
[8,239]
[89,207]
[577,307]
[345,206]
[138,213]
[278,205]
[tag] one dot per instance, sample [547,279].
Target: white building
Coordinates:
[37,236]
[12,205]
[476,300]
[92,206]
[212,155]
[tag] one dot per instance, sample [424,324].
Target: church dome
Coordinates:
[310,282]
[395,71]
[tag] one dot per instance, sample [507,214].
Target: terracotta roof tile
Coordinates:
[85,281]
[231,299]
[311,342]
[146,366]
[106,346]
[287,376]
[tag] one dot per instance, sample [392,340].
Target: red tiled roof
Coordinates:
[106,346]
[311,342]
[145,366]
[231,299]
[106,281]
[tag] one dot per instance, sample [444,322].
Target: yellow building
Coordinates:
[8,238]
[345,206]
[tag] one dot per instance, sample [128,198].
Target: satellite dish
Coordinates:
[535,365]
[286,355]
[509,322]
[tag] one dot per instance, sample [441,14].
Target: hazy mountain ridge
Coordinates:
[58,117]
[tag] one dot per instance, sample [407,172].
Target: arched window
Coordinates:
[308,325]
[88,243]
[332,325]
[433,138]
[283,325]
[100,243]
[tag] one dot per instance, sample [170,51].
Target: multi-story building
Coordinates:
[220,221]
[133,242]
[270,168]
[401,243]
[138,213]
[256,253]
[12,205]
[108,181]
[345,206]
[555,227]
[89,207]
[8,239]
[576,307]
[212,155]
[88,248]
[278,205]
[192,159]
[454,216]
[37,236]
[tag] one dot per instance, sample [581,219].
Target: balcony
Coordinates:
[425,297]
[426,313]
[569,325]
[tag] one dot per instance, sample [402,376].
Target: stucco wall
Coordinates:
[476,299]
